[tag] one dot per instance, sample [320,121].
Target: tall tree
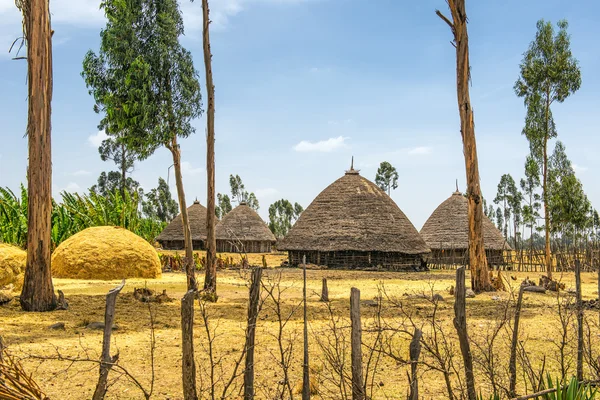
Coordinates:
[145,84]
[511,198]
[116,150]
[38,292]
[159,204]
[240,194]
[386,177]
[480,279]
[282,215]
[531,209]
[109,182]
[224,205]
[210,277]
[549,74]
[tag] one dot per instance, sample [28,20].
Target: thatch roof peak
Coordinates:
[354,214]
[197,218]
[448,227]
[243,223]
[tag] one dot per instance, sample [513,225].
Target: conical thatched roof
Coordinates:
[243,223]
[354,214]
[448,227]
[197,218]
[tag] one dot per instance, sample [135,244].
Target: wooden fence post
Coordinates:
[253,308]
[358,389]
[305,365]
[188,363]
[460,323]
[415,352]
[107,361]
[512,363]
[579,321]
[324,291]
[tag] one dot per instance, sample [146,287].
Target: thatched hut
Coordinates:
[354,224]
[242,230]
[171,238]
[447,234]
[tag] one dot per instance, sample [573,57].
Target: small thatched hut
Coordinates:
[171,238]
[354,224]
[447,234]
[242,230]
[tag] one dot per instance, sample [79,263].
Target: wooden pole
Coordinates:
[188,363]
[107,361]
[324,291]
[358,389]
[305,365]
[460,323]
[579,321]
[414,353]
[512,363]
[253,308]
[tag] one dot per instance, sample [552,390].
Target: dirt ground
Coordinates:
[29,337]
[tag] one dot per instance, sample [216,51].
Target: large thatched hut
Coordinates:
[171,238]
[354,224]
[447,234]
[242,230]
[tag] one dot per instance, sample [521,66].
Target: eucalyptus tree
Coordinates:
[223,205]
[282,215]
[240,194]
[531,208]
[116,150]
[145,85]
[386,177]
[38,292]
[548,74]
[159,204]
[511,199]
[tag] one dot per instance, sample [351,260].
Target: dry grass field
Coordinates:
[28,334]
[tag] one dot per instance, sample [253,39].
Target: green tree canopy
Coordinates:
[386,177]
[239,193]
[223,205]
[159,204]
[282,215]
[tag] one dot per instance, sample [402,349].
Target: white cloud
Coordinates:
[324,146]
[266,193]
[81,172]
[187,169]
[579,169]
[421,150]
[71,187]
[96,140]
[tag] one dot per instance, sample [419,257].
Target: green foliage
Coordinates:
[569,207]
[113,180]
[510,198]
[282,215]
[143,80]
[159,204]
[240,194]
[387,177]
[529,186]
[223,205]
[76,213]
[573,391]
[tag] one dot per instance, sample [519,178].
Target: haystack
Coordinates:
[355,224]
[447,234]
[243,230]
[171,238]
[12,265]
[105,252]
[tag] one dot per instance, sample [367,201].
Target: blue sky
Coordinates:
[303,85]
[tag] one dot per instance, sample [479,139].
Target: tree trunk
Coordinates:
[305,366]
[38,291]
[480,280]
[512,363]
[123,170]
[579,321]
[107,361]
[210,279]
[358,388]
[253,308]
[187,233]
[414,353]
[188,363]
[324,291]
[460,323]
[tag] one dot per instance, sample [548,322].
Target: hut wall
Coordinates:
[248,246]
[179,244]
[359,260]
[448,257]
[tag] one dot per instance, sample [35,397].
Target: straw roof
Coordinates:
[197,218]
[448,227]
[243,223]
[354,214]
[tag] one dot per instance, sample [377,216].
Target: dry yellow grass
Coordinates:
[105,252]
[28,333]
[12,265]
[273,259]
